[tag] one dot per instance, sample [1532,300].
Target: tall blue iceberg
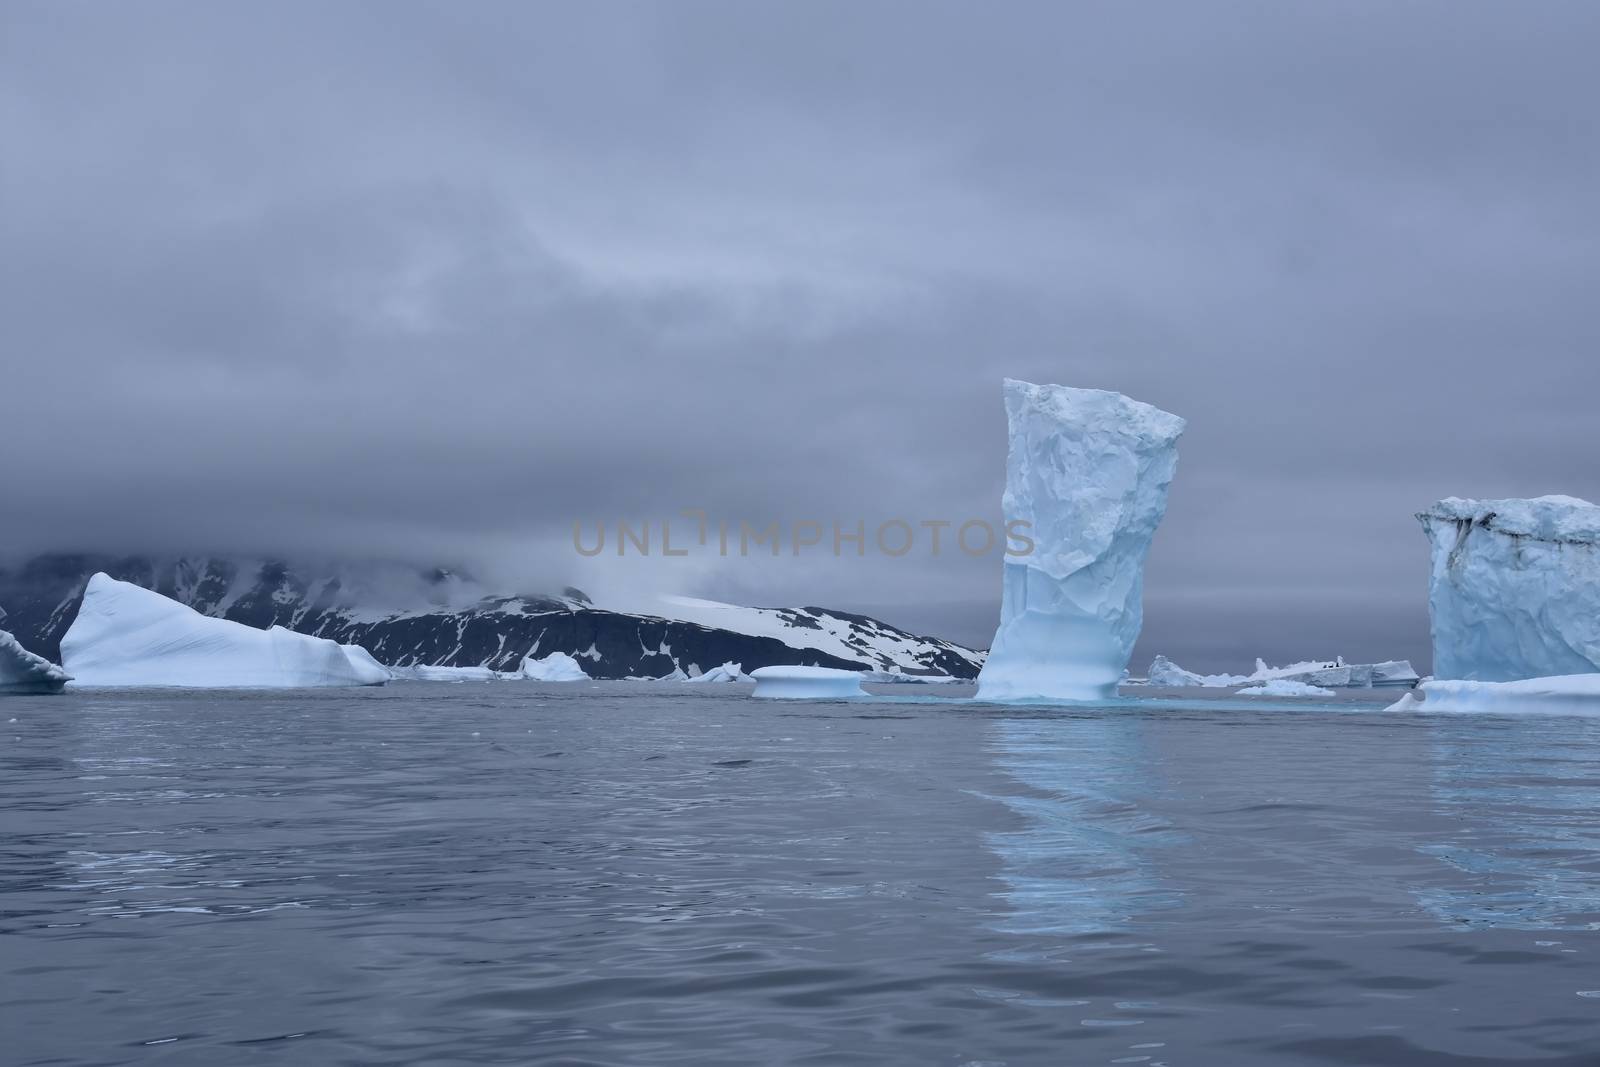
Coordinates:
[1088,470]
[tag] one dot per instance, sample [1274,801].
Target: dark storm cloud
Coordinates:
[435,280]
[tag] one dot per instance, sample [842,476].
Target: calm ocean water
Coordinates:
[511,873]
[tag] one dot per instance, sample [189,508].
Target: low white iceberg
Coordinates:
[1560,694]
[1284,687]
[424,673]
[23,672]
[1167,673]
[556,667]
[1301,671]
[728,672]
[807,683]
[1394,672]
[125,635]
[1334,672]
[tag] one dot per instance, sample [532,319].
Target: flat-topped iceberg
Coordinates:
[807,683]
[1088,471]
[1571,694]
[128,636]
[1514,589]
[556,667]
[23,672]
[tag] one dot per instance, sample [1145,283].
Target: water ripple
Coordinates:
[432,874]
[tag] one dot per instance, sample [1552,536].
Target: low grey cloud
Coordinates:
[432,281]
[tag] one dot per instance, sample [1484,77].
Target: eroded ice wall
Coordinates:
[1514,589]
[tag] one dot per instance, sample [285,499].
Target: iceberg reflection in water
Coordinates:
[1142,822]
[1083,860]
[1520,796]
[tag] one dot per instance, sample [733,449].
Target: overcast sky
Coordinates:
[433,280]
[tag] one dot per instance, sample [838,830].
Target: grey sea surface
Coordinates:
[631,873]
